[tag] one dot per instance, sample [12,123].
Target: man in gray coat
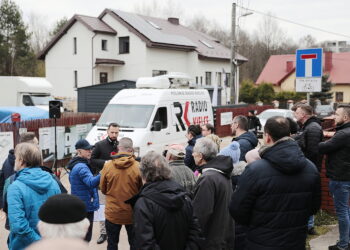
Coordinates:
[180,173]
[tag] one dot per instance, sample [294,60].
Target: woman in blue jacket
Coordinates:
[83,183]
[31,188]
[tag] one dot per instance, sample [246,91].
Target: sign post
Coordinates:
[308,71]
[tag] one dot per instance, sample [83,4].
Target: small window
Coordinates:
[339,96]
[201,80]
[104,45]
[75,79]
[197,79]
[158,72]
[103,77]
[161,116]
[124,45]
[74,45]
[228,79]
[208,78]
[218,78]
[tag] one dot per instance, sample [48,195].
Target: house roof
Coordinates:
[275,70]
[92,23]
[162,33]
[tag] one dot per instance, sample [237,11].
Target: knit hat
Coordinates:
[62,209]
[232,150]
[177,150]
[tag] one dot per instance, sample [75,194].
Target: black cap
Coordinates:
[83,144]
[62,209]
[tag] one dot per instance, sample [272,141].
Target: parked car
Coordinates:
[266,114]
[323,111]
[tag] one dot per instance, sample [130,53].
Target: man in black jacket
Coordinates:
[100,154]
[247,140]
[308,138]
[163,213]
[253,122]
[337,150]
[276,195]
[212,195]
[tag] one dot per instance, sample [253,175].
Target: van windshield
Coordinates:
[126,115]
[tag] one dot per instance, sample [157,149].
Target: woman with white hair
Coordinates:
[163,214]
[63,216]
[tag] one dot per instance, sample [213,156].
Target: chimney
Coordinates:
[174,20]
[328,61]
[290,66]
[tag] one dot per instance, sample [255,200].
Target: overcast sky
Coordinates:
[328,15]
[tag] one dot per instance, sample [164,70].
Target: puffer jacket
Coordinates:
[275,196]
[6,171]
[310,136]
[25,196]
[247,141]
[211,199]
[189,160]
[120,180]
[163,218]
[337,150]
[83,183]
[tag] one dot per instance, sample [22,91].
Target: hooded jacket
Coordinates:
[311,134]
[83,183]
[247,141]
[163,218]
[6,171]
[337,150]
[25,196]
[275,197]
[120,180]
[210,203]
[189,161]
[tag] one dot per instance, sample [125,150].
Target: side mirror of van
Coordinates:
[157,126]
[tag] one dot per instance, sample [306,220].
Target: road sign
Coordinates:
[308,70]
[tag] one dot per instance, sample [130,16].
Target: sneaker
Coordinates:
[312,231]
[102,238]
[335,247]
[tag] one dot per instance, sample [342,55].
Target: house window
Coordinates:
[124,45]
[75,79]
[196,79]
[339,96]
[158,72]
[104,44]
[74,45]
[201,80]
[218,78]
[103,77]
[208,78]
[227,79]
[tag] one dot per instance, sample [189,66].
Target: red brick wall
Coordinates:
[326,198]
[225,130]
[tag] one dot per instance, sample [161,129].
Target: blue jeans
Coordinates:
[341,193]
[311,222]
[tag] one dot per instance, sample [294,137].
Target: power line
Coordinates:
[296,23]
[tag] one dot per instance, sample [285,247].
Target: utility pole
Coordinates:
[233,57]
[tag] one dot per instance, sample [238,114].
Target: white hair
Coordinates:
[206,147]
[69,230]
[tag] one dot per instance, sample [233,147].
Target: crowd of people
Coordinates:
[196,197]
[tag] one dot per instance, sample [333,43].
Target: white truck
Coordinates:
[155,114]
[25,91]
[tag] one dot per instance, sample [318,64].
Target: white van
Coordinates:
[154,117]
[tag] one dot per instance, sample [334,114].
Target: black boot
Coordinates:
[102,238]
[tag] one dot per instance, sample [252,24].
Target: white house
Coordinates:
[124,46]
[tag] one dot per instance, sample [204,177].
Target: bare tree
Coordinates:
[39,31]
[307,41]
[158,8]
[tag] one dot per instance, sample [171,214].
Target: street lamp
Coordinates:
[234,88]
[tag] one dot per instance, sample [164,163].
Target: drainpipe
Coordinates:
[92,59]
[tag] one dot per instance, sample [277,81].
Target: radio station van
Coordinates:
[155,114]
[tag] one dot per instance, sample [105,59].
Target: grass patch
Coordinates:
[322,220]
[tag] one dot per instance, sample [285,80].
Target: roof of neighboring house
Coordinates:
[275,70]
[92,23]
[162,33]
